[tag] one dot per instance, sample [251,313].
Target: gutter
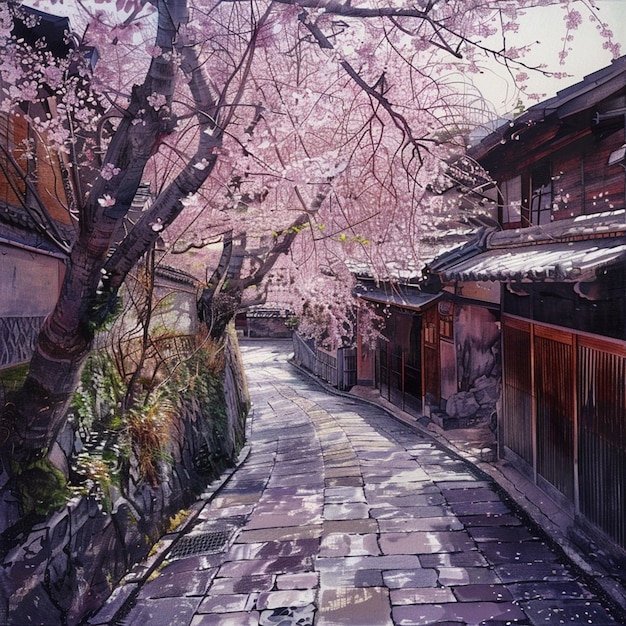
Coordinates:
[23,246]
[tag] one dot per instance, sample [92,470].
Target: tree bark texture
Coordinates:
[38,411]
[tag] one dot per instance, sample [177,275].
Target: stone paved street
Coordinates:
[342,515]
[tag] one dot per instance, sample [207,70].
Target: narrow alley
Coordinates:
[342,515]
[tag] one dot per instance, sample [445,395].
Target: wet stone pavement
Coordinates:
[342,515]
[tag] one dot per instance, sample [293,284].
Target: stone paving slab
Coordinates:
[362,526]
[470,494]
[349,510]
[412,513]
[344,481]
[228,603]
[228,619]
[422,595]
[518,552]
[520,572]
[285,564]
[162,612]
[277,532]
[345,544]
[426,542]
[542,590]
[309,580]
[291,598]
[454,559]
[346,577]
[552,612]
[455,576]
[482,593]
[496,520]
[493,534]
[351,518]
[410,524]
[459,612]
[405,501]
[340,495]
[349,606]
[172,585]
[243,584]
[410,578]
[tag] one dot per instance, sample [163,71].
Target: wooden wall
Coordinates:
[564,418]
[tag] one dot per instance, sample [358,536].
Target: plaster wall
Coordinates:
[29,282]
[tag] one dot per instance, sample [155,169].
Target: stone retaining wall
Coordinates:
[61,569]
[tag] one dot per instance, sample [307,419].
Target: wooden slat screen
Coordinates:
[579,382]
[517,405]
[554,382]
[602,438]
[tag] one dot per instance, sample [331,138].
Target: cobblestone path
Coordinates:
[342,515]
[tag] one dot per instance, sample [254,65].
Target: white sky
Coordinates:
[545,24]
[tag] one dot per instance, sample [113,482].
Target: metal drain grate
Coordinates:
[204,543]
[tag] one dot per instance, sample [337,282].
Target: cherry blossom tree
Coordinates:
[265,124]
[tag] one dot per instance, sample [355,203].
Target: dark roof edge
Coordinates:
[563,100]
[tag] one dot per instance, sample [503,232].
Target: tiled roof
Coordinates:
[51,28]
[16,225]
[573,99]
[556,262]
[594,226]
[397,295]
[564,251]
[175,275]
[475,244]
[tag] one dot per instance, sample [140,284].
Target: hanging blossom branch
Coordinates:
[376,92]
[285,238]
[169,203]
[442,31]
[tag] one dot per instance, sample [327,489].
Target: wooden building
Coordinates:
[553,278]
[35,224]
[394,364]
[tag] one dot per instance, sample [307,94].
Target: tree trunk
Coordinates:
[36,414]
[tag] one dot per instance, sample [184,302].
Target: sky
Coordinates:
[545,24]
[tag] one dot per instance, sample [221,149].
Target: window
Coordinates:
[541,195]
[446,317]
[512,202]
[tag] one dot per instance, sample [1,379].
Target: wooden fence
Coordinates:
[337,368]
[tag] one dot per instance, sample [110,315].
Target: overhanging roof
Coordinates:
[51,28]
[582,96]
[399,296]
[576,261]
[591,226]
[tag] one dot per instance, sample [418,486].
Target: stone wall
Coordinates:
[62,568]
[476,372]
